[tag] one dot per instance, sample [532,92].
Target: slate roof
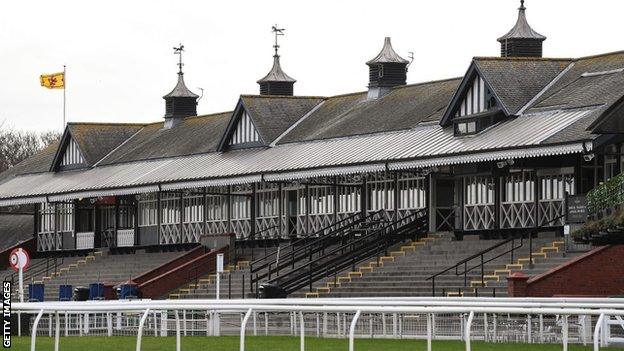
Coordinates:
[15,228]
[273,115]
[516,81]
[192,135]
[402,108]
[593,80]
[97,140]
[566,96]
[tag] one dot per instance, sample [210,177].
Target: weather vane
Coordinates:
[178,51]
[277,31]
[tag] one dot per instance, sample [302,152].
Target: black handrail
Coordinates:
[294,243]
[482,253]
[298,253]
[47,266]
[352,253]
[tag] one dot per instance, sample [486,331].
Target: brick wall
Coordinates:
[600,272]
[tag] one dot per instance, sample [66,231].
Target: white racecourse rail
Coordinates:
[464,309]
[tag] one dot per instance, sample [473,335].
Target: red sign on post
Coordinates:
[19,258]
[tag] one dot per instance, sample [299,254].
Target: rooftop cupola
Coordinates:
[386,70]
[521,40]
[180,102]
[277,82]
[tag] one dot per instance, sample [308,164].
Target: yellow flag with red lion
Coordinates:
[53,81]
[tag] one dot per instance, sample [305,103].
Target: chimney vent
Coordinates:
[386,70]
[521,40]
[180,102]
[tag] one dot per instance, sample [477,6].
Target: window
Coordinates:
[465,128]
[148,210]
[46,218]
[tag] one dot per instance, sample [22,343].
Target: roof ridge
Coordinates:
[426,82]
[498,58]
[282,96]
[599,55]
[107,123]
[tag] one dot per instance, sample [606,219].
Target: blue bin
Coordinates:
[65,292]
[128,291]
[96,291]
[36,292]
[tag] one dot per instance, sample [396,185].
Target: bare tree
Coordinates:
[16,146]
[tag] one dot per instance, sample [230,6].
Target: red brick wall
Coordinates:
[599,272]
[178,276]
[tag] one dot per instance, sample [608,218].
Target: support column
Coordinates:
[336,198]
[158,217]
[396,196]
[280,213]
[253,211]
[432,203]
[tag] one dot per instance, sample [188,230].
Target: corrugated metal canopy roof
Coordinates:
[299,160]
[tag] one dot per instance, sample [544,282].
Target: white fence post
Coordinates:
[597,330]
[242,331]
[140,330]
[57,332]
[302,333]
[352,330]
[33,337]
[564,332]
[467,330]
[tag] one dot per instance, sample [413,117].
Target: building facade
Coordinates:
[492,153]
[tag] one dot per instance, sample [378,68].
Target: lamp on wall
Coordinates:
[588,157]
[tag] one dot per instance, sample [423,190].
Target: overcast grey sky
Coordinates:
[120,60]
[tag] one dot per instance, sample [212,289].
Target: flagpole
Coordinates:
[64,97]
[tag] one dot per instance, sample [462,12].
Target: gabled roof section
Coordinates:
[38,163]
[401,108]
[513,81]
[85,144]
[192,135]
[271,116]
[180,90]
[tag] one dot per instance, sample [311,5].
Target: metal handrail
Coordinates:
[294,243]
[298,252]
[482,253]
[349,258]
[47,266]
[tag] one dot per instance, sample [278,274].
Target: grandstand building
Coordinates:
[491,153]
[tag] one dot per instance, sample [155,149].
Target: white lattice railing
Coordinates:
[85,240]
[125,237]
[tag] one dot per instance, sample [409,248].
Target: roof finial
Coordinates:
[522,8]
[178,51]
[277,31]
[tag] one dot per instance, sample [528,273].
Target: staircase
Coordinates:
[405,271]
[373,237]
[103,267]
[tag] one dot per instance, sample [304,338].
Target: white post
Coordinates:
[529,329]
[394,325]
[467,330]
[242,331]
[318,325]
[541,328]
[178,342]
[164,328]
[485,327]
[597,332]
[302,332]
[109,324]
[20,275]
[66,324]
[140,330]
[33,337]
[352,330]
[255,326]
[564,331]
[57,333]
[266,323]
[50,324]
[429,330]
[383,324]
[324,324]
